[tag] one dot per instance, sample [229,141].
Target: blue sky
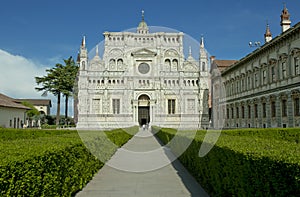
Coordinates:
[37,34]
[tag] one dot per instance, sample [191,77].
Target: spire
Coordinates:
[97,50]
[268,34]
[203,56]
[83,50]
[96,58]
[285,19]
[202,42]
[143,28]
[203,53]
[83,42]
[190,57]
[143,15]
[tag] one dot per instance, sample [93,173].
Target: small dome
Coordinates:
[143,27]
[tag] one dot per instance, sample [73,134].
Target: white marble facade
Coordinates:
[142,78]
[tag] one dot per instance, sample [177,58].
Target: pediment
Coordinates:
[144,53]
[189,67]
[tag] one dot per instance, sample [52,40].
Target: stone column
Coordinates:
[268,112]
[260,113]
[247,119]
[252,118]
[278,110]
[258,122]
[290,111]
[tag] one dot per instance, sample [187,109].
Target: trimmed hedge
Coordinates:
[245,162]
[48,163]
[60,173]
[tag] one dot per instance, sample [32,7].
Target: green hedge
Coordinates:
[60,173]
[245,162]
[48,163]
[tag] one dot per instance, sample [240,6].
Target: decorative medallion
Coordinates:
[144,68]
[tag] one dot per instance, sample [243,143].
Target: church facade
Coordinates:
[142,78]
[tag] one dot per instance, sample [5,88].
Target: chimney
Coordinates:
[285,19]
[268,35]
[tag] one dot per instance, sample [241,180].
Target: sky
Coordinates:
[37,34]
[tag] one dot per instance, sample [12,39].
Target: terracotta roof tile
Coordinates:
[42,102]
[6,101]
[224,63]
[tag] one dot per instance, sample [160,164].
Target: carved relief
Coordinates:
[116,53]
[171,53]
[189,67]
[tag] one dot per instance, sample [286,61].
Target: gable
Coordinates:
[143,53]
[190,67]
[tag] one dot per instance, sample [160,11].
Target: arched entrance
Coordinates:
[143,109]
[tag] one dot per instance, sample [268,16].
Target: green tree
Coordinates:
[70,70]
[59,80]
[32,112]
[53,83]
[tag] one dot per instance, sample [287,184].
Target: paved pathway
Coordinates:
[141,168]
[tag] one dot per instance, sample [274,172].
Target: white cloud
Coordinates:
[17,79]
[17,76]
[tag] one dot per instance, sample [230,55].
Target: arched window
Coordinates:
[112,63]
[120,63]
[168,64]
[174,64]
[144,97]
[203,66]
[83,65]
[296,65]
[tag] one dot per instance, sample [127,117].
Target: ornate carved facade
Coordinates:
[142,78]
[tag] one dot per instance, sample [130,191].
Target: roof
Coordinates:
[40,102]
[274,42]
[223,64]
[6,101]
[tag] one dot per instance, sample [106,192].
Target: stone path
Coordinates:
[142,168]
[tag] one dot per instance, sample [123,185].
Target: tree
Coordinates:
[53,83]
[70,70]
[59,80]
[33,113]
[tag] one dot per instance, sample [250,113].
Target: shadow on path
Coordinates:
[134,171]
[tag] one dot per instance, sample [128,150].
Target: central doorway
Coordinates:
[144,110]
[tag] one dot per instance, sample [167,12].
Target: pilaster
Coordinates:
[290,111]
[278,111]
